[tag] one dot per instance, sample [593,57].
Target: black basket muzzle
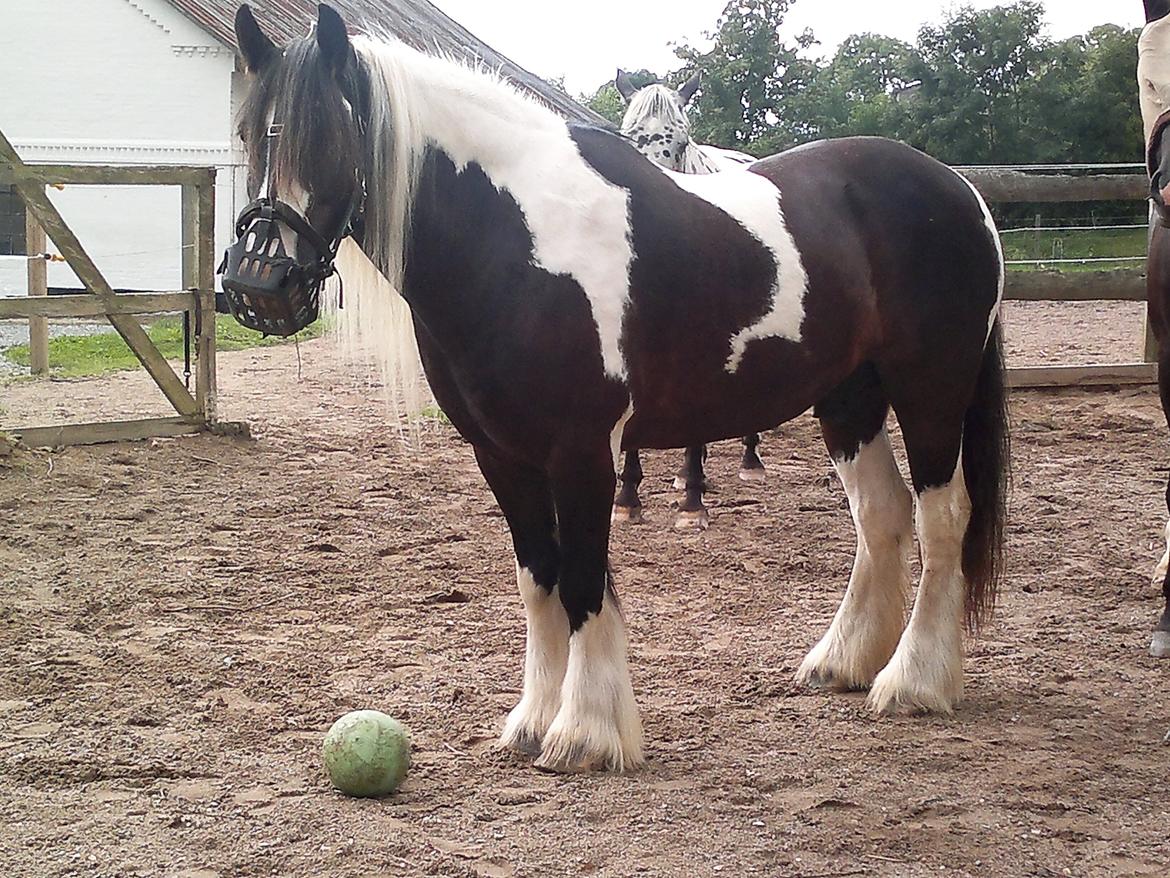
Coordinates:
[267,289]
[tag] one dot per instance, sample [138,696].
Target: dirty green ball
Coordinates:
[367,753]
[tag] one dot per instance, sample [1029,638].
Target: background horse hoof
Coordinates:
[627,515]
[692,520]
[679,483]
[753,475]
[1160,645]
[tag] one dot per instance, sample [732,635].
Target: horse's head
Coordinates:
[656,119]
[302,127]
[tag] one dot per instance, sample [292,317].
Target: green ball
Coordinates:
[367,754]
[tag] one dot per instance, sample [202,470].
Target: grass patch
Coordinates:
[89,355]
[1095,244]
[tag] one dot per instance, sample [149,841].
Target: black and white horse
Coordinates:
[571,299]
[656,123]
[1154,94]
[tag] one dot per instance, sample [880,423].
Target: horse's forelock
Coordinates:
[654,103]
[301,93]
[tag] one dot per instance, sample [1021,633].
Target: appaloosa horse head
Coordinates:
[570,300]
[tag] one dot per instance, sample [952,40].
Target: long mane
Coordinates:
[406,115]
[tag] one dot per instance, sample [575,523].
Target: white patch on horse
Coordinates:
[926,672]
[598,724]
[1153,72]
[545,658]
[753,202]
[580,226]
[865,631]
[989,223]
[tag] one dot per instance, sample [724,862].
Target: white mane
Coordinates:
[416,100]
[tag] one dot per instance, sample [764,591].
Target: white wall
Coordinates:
[118,82]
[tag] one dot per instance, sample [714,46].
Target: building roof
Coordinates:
[416,22]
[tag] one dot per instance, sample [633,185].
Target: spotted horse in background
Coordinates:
[656,123]
[553,279]
[1154,94]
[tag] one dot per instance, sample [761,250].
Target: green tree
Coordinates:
[861,89]
[974,70]
[749,74]
[608,103]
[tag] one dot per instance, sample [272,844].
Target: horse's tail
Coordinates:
[987,470]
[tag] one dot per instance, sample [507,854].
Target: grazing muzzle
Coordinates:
[267,289]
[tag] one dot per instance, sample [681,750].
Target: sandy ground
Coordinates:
[181,620]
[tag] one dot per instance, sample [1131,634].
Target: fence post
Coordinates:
[199,275]
[38,285]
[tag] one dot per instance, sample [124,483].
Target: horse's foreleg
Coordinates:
[691,512]
[751,468]
[525,497]
[597,726]
[628,506]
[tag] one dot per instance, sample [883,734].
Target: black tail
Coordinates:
[987,470]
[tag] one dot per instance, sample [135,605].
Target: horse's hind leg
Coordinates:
[597,725]
[628,506]
[525,497]
[691,512]
[751,468]
[866,628]
[926,670]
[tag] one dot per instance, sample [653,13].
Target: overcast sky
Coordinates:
[586,40]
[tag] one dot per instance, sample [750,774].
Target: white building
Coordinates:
[134,82]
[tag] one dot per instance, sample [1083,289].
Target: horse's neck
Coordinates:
[474,118]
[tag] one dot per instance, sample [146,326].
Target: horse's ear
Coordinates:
[332,37]
[689,88]
[625,85]
[255,47]
[1156,9]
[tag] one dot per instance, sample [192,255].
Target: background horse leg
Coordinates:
[598,724]
[1160,644]
[866,628]
[691,512]
[751,468]
[525,497]
[628,506]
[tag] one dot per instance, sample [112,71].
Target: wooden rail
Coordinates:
[1008,186]
[196,411]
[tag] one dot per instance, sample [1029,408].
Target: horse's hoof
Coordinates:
[692,520]
[680,484]
[753,475]
[1160,645]
[627,515]
[526,744]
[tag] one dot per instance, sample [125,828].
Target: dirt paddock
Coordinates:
[181,620]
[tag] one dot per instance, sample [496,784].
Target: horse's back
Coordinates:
[894,224]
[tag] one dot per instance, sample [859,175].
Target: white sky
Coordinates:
[587,41]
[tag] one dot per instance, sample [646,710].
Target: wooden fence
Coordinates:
[193,413]
[198,412]
[1009,186]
